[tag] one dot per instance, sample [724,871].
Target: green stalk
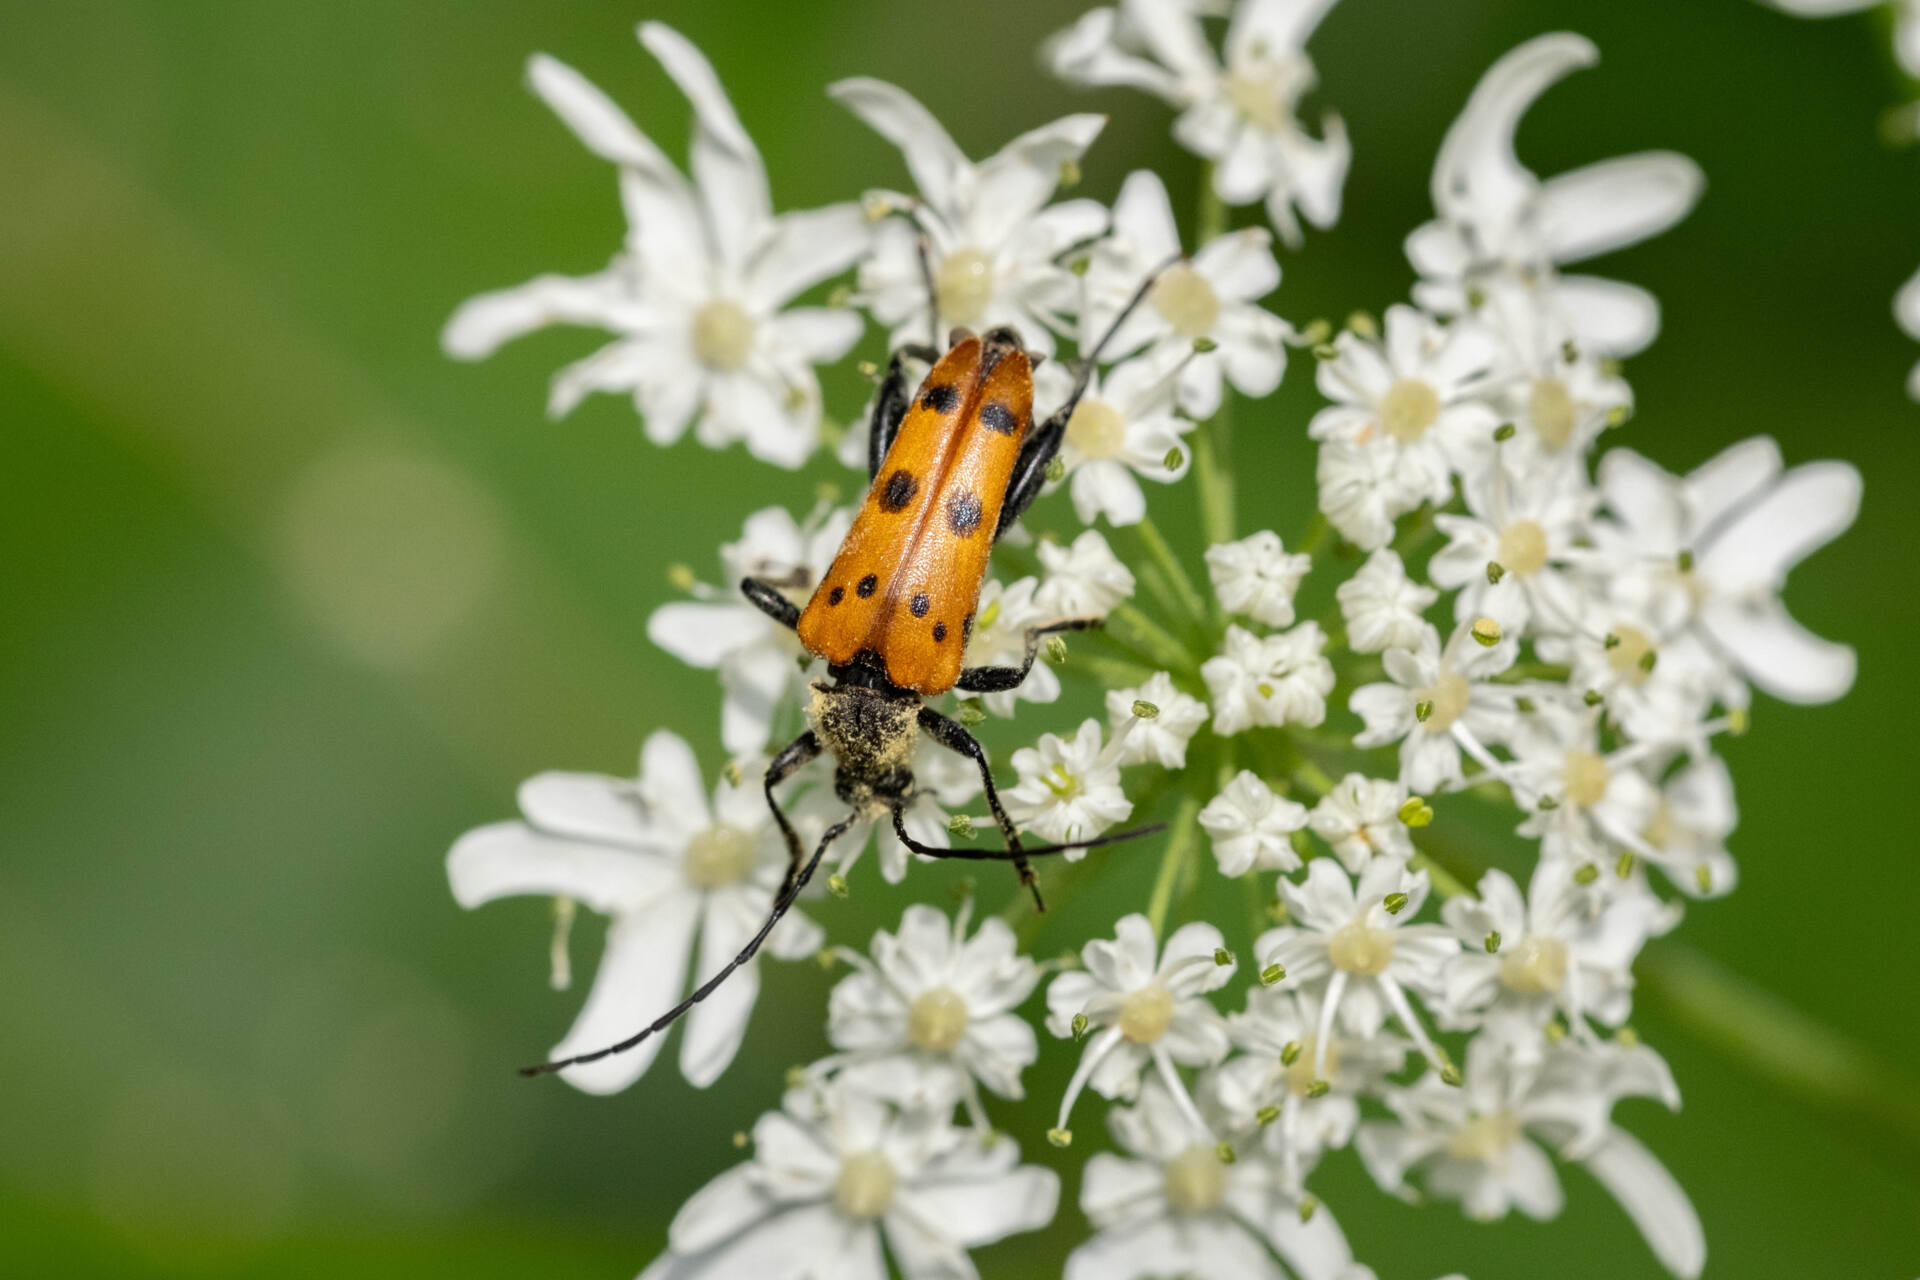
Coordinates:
[1188,595]
[1139,632]
[1179,847]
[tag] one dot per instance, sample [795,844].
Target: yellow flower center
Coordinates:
[719,856]
[1662,828]
[1145,1015]
[1187,302]
[1300,1073]
[1448,697]
[1485,1138]
[864,1188]
[1196,1181]
[722,336]
[1523,548]
[1551,409]
[1535,967]
[1260,99]
[1408,409]
[1360,948]
[1097,429]
[1628,657]
[937,1021]
[1587,777]
[964,286]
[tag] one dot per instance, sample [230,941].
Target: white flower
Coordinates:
[943,783]
[1687,835]
[1172,1207]
[1655,687]
[1256,577]
[1068,790]
[1440,703]
[759,660]
[934,1011]
[1530,532]
[1161,739]
[1252,828]
[1123,428]
[699,295]
[1585,801]
[1411,404]
[1557,395]
[1084,579]
[1276,1070]
[1497,220]
[994,242]
[834,1173]
[1240,115]
[1906,303]
[1476,1143]
[1354,950]
[665,867]
[1563,949]
[1717,546]
[1382,606]
[1211,299]
[999,639]
[1142,1012]
[1360,819]
[1269,680]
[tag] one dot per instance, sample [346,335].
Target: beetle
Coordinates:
[949,471]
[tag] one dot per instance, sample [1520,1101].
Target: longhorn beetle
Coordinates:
[948,473]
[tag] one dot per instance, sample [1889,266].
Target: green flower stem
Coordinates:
[1770,1040]
[1180,845]
[1188,596]
[1152,641]
[1108,673]
[1211,446]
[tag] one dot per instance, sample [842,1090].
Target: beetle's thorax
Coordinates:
[871,733]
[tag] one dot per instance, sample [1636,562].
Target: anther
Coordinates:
[1415,812]
[1363,326]
[1325,351]
[1225,1153]
[1069,174]
[1450,1075]
[1272,974]
[1079,1025]
[732,773]
[1266,1116]
[1624,867]
[1586,874]
[681,578]
[837,885]
[1056,471]
[1649,660]
[1222,957]
[1627,1038]
[1307,1207]
[1703,877]
[1486,632]
[1395,903]
[1316,332]
[1174,458]
[740,1138]
[1504,432]
[1318,1089]
[1495,572]
[1204,346]
[1144,710]
[1289,1053]
[1060,1137]
[1493,941]
[970,713]
[1686,562]
[1592,697]
[1423,710]
[1056,650]
[960,827]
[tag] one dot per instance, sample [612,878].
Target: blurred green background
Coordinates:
[288,601]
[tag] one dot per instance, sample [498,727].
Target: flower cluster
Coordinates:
[1495,618]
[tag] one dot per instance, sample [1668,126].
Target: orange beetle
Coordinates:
[948,472]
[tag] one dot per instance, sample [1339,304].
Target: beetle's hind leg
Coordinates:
[770,600]
[951,735]
[1000,679]
[890,405]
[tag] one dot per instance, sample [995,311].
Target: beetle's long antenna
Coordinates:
[1008,855]
[1091,360]
[707,988]
[933,294]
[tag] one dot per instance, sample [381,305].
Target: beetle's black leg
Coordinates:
[891,404]
[1008,855]
[1039,448]
[951,735]
[768,599]
[1000,679]
[781,902]
[795,756]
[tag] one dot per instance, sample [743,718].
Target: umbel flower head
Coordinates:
[1491,617]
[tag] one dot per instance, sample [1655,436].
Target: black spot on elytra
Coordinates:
[963,512]
[901,486]
[836,595]
[939,632]
[940,399]
[997,417]
[920,605]
[865,587]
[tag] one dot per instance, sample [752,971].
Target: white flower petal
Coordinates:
[641,975]
[733,181]
[936,164]
[594,118]
[1655,1202]
[1605,206]
[506,859]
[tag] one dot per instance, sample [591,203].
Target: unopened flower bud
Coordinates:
[1486,632]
